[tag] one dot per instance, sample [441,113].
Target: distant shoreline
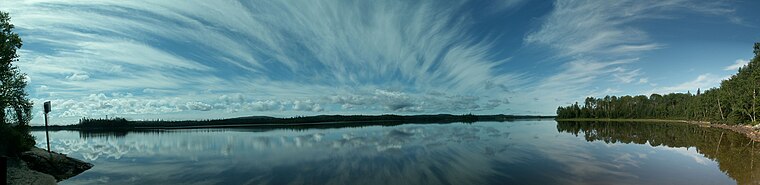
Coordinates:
[747,130]
[120,124]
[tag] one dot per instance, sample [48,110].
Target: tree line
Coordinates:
[736,101]
[117,123]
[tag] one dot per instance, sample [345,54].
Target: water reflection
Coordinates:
[522,152]
[102,134]
[734,152]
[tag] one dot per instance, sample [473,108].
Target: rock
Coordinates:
[19,173]
[55,164]
[757,127]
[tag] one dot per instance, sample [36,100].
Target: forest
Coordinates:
[734,102]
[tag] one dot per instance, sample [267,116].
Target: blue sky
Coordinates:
[218,59]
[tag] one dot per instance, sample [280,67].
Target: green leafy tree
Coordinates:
[15,107]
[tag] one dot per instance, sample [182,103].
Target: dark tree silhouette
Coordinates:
[13,101]
[15,107]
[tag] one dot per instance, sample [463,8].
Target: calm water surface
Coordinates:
[520,152]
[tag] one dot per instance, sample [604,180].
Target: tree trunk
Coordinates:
[754,99]
[721,111]
[754,109]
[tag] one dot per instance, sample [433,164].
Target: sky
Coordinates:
[178,60]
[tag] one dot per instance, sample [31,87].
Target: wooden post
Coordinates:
[47,133]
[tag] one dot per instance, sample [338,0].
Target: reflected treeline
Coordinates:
[735,153]
[85,134]
[90,133]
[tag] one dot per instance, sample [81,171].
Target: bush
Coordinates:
[15,139]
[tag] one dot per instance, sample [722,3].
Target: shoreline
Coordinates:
[37,166]
[306,122]
[747,130]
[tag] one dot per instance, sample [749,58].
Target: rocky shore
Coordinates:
[37,166]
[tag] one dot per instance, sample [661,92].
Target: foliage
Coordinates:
[15,107]
[736,101]
[112,122]
[15,139]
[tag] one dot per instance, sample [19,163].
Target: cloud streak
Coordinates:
[602,41]
[738,64]
[703,81]
[167,49]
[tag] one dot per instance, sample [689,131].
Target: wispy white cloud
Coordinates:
[285,55]
[579,73]
[502,5]
[571,84]
[625,75]
[738,64]
[643,80]
[78,77]
[588,27]
[594,37]
[703,81]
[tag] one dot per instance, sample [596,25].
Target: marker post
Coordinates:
[47,134]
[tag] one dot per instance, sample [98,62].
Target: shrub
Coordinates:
[15,139]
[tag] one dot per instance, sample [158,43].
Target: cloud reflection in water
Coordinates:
[479,153]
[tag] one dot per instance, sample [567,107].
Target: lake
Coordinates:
[517,152]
